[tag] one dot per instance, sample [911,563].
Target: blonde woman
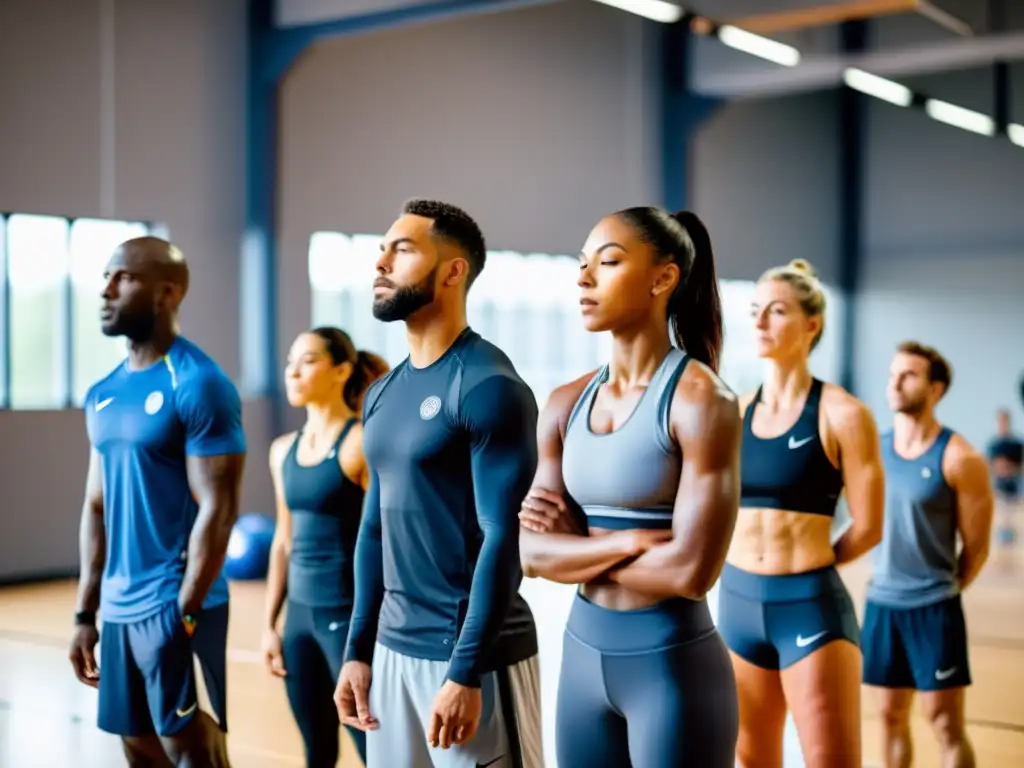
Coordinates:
[784,612]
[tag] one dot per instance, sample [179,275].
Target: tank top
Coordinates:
[627,478]
[792,471]
[325,509]
[915,563]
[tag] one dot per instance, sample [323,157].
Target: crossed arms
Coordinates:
[705,424]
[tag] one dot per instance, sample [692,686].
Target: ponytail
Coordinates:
[695,309]
[366,369]
[366,366]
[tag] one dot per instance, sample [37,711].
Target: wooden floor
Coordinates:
[47,718]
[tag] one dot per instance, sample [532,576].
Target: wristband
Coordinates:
[85,619]
[189,621]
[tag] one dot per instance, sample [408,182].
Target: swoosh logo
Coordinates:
[944,674]
[186,712]
[803,642]
[104,403]
[489,762]
[794,443]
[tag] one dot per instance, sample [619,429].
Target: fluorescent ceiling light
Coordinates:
[1015,133]
[959,117]
[655,10]
[879,87]
[755,45]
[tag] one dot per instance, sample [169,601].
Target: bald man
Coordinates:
[161,498]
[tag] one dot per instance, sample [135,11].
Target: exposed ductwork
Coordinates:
[816,73]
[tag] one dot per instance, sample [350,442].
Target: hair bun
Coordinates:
[803,267]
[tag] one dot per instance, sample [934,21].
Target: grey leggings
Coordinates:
[651,688]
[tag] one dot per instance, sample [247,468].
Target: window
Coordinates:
[526,304]
[37,267]
[52,274]
[523,303]
[93,354]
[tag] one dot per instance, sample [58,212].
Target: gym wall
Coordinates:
[944,241]
[537,121]
[178,96]
[765,179]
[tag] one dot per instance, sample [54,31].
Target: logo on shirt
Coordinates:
[794,443]
[926,473]
[104,403]
[154,402]
[430,407]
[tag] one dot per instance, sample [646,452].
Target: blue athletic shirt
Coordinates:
[143,424]
[452,451]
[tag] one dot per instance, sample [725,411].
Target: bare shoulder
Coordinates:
[702,401]
[279,447]
[699,385]
[561,401]
[844,412]
[963,460]
[355,433]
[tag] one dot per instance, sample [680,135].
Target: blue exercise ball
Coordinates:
[249,548]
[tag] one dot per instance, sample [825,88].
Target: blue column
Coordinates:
[682,114]
[852,147]
[271,54]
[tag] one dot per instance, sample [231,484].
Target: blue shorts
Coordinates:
[775,621]
[920,648]
[154,677]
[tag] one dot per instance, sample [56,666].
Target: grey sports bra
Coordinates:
[627,478]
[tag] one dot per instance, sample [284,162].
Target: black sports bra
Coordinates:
[792,471]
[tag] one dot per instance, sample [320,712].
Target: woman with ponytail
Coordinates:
[635,500]
[319,475]
[783,610]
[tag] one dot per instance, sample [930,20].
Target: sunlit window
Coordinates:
[92,243]
[37,269]
[527,305]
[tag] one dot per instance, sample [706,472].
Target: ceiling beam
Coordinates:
[822,15]
[816,73]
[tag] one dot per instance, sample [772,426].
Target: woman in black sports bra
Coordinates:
[319,475]
[783,611]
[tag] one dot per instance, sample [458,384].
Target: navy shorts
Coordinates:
[920,648]
[775,621]
[154,677]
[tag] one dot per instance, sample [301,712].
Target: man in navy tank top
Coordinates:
[161,498]
[937,490]
[441,663]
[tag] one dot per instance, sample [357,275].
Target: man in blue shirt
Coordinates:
[450,439]
[161,498]
[1006,461]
